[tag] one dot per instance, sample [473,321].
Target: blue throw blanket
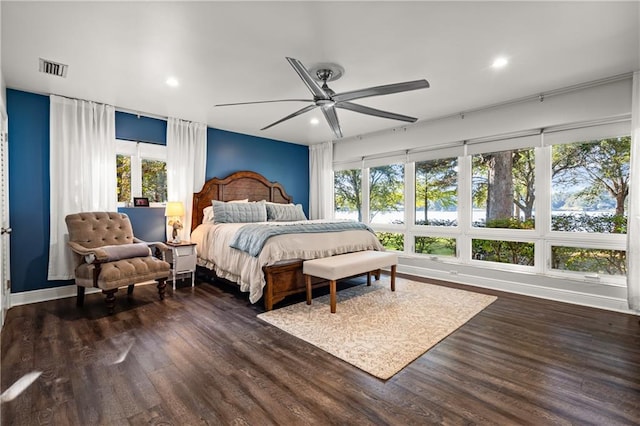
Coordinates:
[251,238]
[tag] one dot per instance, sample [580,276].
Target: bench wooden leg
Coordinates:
[393,277]
[332,290]
[307,280]
[369,278]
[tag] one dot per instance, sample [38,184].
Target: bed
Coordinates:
[277,271]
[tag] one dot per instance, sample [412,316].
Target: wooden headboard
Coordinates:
[237,186]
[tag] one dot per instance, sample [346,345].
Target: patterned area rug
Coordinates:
[377,330]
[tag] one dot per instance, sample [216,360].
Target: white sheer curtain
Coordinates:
[82,140]
[321,181]
[186,165]
[633,226]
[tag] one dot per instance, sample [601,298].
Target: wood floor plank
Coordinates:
[202,357]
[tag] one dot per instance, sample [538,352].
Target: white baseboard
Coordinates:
[560,295]
[35,296]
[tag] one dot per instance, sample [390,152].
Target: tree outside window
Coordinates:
[503,189]
[436,202]
[386,194]
[154,180]
[348,194]
[590,186]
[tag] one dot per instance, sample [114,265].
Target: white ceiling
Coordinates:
[121,53]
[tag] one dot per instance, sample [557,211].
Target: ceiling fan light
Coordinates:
[314,121]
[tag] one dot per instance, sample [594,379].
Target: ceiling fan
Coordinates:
[328,100]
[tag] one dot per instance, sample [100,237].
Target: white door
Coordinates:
[5,229]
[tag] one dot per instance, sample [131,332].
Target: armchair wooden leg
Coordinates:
[130,290]
[162,284]
[110,299]
[80,297]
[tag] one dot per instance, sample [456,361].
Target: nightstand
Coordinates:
[182,258]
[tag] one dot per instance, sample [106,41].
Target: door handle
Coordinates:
[4,230]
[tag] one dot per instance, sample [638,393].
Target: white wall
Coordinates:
[601,101]
[594,102]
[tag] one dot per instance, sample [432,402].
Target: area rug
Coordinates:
[377,330]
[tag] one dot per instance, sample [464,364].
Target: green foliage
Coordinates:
[508,223]
[523,179]
[437,222]
[123,177]
[436,185]
[391,240]
[602,223]
[600,261]
[386,189]
[602,167]
[435,245]
[154,180]
[513,252]
[348,190]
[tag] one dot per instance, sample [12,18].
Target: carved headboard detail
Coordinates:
[237,186]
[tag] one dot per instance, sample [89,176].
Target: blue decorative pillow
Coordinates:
[239,212]
[285,212]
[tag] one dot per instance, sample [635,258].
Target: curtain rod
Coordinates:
[540,96]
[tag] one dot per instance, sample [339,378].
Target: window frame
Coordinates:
[542,236]
[139,151]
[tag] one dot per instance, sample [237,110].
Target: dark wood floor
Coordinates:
[202,357]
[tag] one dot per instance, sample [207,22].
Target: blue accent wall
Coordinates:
[148,223]
[282,162]
[132,127]
[227,152]
[29,190]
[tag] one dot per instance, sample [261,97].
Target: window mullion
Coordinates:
[409,205]
[465,208]
[136,173]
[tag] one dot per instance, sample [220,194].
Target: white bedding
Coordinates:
[234,265]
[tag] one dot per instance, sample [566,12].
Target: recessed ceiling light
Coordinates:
[172,81]
[314,121]
[500,62]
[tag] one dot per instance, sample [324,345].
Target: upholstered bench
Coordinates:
[346,265]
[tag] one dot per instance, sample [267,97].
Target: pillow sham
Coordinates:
[285,212]
[208,211]
[239,212]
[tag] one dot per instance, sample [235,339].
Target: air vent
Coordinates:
[53,68]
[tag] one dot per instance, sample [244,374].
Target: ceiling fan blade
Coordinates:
[387,89]
[295,114]
[332,118]
[265,102]
[372,111]
[313,85]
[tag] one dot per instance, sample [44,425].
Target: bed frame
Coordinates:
[282,280]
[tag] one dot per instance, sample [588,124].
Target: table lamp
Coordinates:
[174,211]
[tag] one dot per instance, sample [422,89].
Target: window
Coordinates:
[141,172]
[391,240]
[501,251]
[436,201]
[348,194]
[503,189]
[386,194]
[435,246]
[590,185]
[552,205]
[589,260]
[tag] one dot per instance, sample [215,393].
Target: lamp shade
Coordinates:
[174,208]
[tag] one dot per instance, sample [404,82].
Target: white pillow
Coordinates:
[208,211]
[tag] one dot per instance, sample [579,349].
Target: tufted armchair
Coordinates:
[107,255]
